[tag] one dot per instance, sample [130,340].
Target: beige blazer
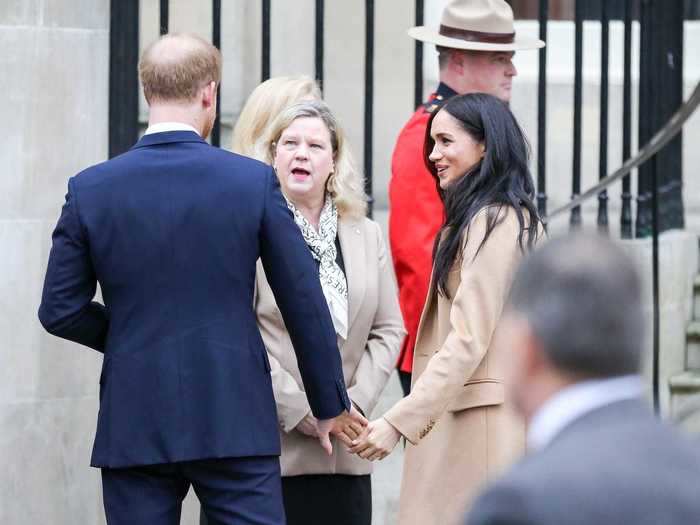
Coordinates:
[368,355]
[459,430]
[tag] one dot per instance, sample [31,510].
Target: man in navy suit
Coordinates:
[172,230]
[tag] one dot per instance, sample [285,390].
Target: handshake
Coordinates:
[369,440]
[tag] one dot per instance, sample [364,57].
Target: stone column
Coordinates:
[54,65]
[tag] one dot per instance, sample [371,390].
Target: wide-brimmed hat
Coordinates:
[480,25]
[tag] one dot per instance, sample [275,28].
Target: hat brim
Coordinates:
[426,34]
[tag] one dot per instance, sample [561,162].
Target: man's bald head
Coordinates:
[582,298]
[176,66]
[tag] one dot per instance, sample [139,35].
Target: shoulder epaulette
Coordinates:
[434,104]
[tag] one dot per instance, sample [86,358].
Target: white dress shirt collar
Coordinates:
[162,127]
[576,400]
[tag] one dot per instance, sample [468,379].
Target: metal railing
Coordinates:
[124,91]
[123,110]
[649,190]
[647,153]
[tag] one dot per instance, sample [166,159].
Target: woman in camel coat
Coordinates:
[459,429]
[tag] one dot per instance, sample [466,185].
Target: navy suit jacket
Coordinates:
[172,230]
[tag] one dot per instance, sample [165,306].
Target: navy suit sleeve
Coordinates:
[500,505]
[67,309]
[293,277]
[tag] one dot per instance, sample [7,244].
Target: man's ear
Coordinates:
[209,94]
[534,357]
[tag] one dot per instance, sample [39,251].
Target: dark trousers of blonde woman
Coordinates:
[324,499]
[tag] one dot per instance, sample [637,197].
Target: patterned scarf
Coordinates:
[322,246]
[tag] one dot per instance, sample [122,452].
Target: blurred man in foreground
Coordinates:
[575,328]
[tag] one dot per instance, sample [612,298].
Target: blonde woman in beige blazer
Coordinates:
[326,197]
[459,428]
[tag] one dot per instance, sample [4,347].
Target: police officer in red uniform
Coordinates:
[473,56]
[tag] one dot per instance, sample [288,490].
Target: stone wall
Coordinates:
[678,266]
[54,79]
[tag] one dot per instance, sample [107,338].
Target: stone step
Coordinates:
[685,401]
[692,355]
[685,382]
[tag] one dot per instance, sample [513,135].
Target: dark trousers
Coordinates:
[327,499]
[405,378]
[241,491]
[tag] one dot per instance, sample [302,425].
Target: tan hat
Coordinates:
[480,25]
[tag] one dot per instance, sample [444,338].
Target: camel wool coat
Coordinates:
[459,430]
[375,334]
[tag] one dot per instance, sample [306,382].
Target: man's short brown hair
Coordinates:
[176,66]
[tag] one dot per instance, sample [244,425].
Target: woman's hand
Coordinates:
[377,441]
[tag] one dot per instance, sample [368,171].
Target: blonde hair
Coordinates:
[264,104]
[346,183]
[177,65]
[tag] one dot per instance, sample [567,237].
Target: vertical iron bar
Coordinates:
[369,96]
[542,114]
[265,69]
[216,40]
[418,64]
[319,42]
[670,45]
[123,75]
[575,220]
[626,212]
[164,16]
[603,149]
[643,219]
[655,276]
[661,94]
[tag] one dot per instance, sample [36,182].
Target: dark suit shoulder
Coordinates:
[504,503]
[89,174]
[617,464]
[198,157]
[242,160]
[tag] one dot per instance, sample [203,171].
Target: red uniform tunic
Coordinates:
[415,216]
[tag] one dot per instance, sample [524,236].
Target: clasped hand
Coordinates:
[377,441]
[347,427]
[370,441]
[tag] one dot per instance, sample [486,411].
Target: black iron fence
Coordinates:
[659,204]
[660,91]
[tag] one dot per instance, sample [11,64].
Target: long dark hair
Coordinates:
[500,179]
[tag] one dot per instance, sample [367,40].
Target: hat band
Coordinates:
[477,36]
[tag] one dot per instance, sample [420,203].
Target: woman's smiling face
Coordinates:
[304,159]
[455,151]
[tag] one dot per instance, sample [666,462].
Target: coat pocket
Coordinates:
[478,393]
